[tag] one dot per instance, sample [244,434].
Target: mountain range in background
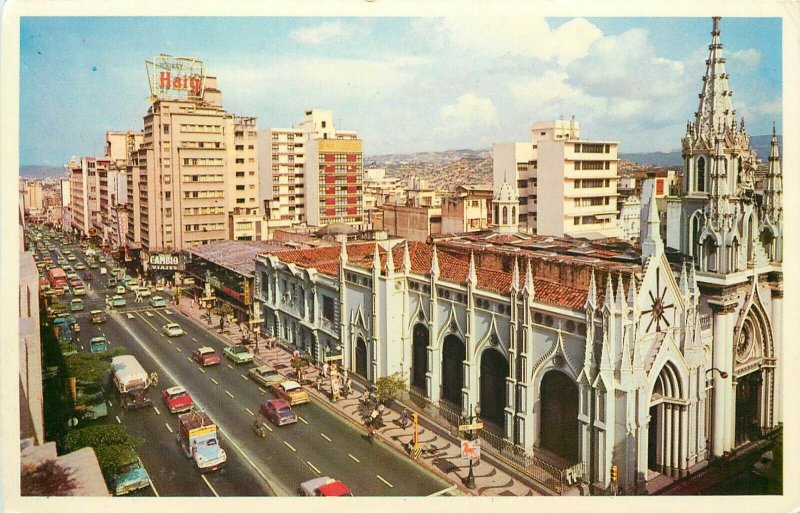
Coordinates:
[760,143]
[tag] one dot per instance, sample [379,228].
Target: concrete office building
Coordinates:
[566,185]
[197,162]
[312,174]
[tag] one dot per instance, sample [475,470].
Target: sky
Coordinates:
[405,84]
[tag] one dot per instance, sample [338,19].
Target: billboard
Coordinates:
[166,262]
[176,78]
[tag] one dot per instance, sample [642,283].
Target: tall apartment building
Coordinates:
[32,196]
[312,174]
[83,194]
[197,162]
[566,185]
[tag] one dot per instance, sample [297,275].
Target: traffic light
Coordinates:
[614,473]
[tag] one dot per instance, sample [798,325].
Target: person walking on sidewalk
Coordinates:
[348,387]
[404,418]
[325,369]
[371,433]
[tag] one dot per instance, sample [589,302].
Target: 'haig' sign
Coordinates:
[192,84]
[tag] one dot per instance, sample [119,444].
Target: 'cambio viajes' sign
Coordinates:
[175,77]
[165,262]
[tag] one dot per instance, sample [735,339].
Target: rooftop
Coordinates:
[237,255]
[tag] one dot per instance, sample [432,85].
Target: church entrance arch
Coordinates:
[361,357]
[494,371]
[453,355]
[667,415]
[559,424]
[419,356]
[748,422]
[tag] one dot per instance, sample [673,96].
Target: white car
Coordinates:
[173,330]
[120,289]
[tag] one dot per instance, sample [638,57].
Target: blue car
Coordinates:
[131,476]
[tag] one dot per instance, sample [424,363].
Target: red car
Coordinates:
[177,399]
[278,412]
[88,276]
[206,356]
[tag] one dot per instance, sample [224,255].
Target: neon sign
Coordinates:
[175,77]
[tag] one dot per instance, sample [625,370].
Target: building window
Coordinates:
[166,129]
[328,308]
[701,174]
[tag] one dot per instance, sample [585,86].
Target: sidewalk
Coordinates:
[446,462]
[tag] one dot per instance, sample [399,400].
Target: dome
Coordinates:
[506,194]
[337,229]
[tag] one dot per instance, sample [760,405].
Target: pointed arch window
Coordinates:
[695,234]
[505,215]
[701,174]
[514,215]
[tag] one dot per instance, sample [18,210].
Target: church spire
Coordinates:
[515,275]
[653,244]
[406,258]
[715,112]
[434,263]
[472,275]
[773,205]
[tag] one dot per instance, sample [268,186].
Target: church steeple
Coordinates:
[773,188]
[715,112]
[506,207]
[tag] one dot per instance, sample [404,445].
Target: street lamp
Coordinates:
[471,425]
[722,374]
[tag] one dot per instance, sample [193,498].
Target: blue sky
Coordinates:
[405,84]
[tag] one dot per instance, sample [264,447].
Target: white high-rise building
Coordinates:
[566,185]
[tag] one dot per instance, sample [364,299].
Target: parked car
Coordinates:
[80,267]
[172,330]
[130,476]
[120,289]
[291,391]
[265,375]
[206,356]
[157,302]
[177,399]
[278,411]
[98,344]
[118,301]
[324,487]
[238,354]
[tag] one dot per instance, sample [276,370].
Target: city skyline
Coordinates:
[403,83]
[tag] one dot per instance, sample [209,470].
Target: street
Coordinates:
[321,443]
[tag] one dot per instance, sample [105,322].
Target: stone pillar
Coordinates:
[684,447]
[666,422]
[724,391]
[777,336]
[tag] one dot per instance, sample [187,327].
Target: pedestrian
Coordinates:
[404,419]
[348,386]
[334,391]
[371,433]
[192,303]
[344,373]
[325,369]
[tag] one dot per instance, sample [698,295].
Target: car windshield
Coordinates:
[285,411]
[179,395]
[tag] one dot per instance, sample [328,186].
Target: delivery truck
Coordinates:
[197,436]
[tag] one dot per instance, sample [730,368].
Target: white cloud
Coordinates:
[323,33]
[499,35]
[470,111]
[749,57]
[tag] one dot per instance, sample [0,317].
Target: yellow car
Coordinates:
[291,392]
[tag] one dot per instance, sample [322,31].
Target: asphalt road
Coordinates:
[321,443]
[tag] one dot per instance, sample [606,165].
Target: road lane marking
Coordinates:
[323,435]
[313,467]
[202,370]
[302,420]
[289,446]
[168,340]
[189,358]
[109,403]
[156,409]
[179,349]
[194,339]
[215,381]
[244,377]
[262,390]
[170,429]
[273,484]
[230,394]
[154,488]
[230,366]
[149,314]
[130,316]
[266,425]
[390,485]
[353,458]
[209,485]
[251,413]
[118,421]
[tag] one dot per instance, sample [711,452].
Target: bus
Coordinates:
[57,278]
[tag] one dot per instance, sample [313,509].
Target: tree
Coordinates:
[223,310]
[111,442]
[389,387]
[46,479]
[89,367]
[299,364]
